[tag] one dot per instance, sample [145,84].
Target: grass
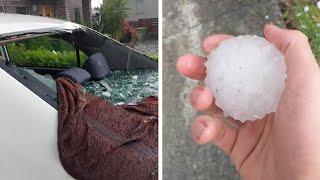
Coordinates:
[304,15]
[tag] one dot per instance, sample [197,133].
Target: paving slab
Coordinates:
[185,24]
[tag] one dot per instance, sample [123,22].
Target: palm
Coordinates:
[260,145]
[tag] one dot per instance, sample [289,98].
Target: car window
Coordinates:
[47,52]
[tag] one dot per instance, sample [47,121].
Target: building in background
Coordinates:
[142,9]
[144,13]
[78,11]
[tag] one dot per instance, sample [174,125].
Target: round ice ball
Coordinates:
[246,75]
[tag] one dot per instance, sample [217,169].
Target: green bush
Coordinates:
[21,56]
[153,56]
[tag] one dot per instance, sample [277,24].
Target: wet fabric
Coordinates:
[98,140]
[128,86]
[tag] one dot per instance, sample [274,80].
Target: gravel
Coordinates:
[147,47]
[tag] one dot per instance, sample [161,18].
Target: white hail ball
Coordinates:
[246,75]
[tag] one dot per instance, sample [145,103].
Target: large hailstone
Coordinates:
[246,75]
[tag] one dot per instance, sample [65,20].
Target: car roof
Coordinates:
[15,27]
[16,24]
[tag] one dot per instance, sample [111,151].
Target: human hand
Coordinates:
[282,145]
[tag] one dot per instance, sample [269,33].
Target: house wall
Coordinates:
[63,9]
[149,10]
[87,12]
[10,6]
[31,4]
[71,6]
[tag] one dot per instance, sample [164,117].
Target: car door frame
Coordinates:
[30,82]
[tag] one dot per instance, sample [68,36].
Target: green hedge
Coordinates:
[21,56]
[153,56]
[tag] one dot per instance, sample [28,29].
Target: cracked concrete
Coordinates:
[185,24]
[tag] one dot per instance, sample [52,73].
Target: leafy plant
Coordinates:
[112,15]
[129,34]
[309,23]
[305,17]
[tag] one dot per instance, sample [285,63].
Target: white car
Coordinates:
[28,104]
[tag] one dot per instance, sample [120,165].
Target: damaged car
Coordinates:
[34,52]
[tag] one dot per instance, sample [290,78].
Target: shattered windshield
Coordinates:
[118,87]
[126,86]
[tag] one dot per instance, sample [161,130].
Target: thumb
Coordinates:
[294,46]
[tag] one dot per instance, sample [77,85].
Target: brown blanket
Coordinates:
[98,140]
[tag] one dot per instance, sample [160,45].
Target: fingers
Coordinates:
[207,129]
[229,120]
[192,66]
[294,45]
[212,42]
[202,99]
[284,39]
[249,135]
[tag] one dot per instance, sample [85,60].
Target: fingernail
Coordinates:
[198,129]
